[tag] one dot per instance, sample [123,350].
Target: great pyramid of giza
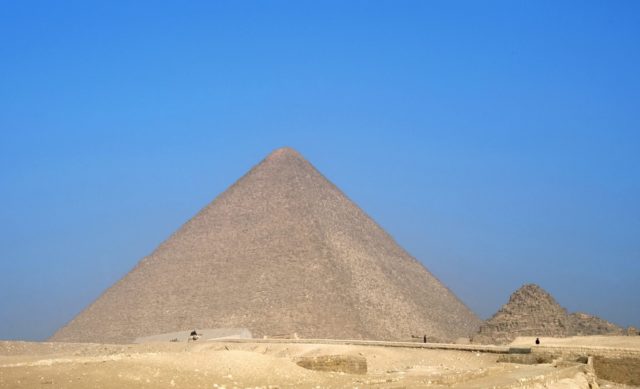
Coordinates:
[281,251]
[532,311]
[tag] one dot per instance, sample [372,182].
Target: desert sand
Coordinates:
[265,364]
[600,341]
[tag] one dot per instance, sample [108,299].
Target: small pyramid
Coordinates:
[281,251]
[532,311]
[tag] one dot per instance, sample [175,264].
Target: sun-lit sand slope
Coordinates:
[250,365]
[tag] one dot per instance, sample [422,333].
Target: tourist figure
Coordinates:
[537,340]
[424,339]
[194,335]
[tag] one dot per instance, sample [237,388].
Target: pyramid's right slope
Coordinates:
[282,251]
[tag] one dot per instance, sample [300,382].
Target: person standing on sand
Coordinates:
[537,340]
[424,339]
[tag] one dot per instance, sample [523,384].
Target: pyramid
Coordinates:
[532,311]
[281,251]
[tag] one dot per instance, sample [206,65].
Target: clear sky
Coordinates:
[498,142]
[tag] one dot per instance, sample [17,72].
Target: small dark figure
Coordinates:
[537,340]
[424,339]
[194,335]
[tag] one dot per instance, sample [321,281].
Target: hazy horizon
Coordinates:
[498,143]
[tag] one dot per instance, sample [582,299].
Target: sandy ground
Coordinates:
[229,365]
[607,343]
[618,342]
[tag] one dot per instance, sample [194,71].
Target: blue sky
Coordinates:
[498,142]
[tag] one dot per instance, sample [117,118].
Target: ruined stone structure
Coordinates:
[585,324]
[282,251]
[531,311]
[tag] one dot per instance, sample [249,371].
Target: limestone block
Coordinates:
[351,364]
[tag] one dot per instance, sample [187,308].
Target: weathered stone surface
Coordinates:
[585,324]
[203,334]
[526,359]
[531,311]
[632,331]
[282,251]
[622,370]
[352,364]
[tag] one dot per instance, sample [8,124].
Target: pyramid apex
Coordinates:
[284,152]
[531,289]
[530,286]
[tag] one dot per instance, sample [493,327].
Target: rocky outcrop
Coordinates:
[531,311]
